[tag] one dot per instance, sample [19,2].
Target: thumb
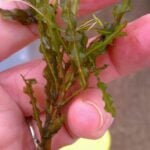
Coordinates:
[86,116]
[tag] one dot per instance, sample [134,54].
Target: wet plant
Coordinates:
[68,40]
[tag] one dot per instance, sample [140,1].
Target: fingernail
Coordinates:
[101,120]
[85,119]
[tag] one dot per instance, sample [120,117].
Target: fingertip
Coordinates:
[142,28]
[131,52]
[87,117]
[88,6]
[83,119]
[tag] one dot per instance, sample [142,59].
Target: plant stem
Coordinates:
[46,145]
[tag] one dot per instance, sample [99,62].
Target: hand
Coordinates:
[85,115]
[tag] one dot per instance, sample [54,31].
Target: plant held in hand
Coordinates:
[71,41]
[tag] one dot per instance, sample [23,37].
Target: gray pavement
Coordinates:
[131,129]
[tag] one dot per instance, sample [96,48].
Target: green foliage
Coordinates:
[24,17]
[71,39]
[107,98]
[121,9]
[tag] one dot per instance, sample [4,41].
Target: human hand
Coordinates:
[85,115]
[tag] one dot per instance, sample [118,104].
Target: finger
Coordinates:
[89,6]
[86,116]
[14,133]
[15,36]
[60,139]
[14,84]
[129,53]
[136,53]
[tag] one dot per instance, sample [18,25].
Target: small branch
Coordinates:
[29,91]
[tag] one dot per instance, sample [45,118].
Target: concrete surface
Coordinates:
[131,129]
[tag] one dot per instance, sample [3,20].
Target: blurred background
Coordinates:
[131,129]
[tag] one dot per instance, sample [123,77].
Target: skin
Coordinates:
[85,115]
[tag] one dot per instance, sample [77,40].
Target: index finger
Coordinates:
[15,36]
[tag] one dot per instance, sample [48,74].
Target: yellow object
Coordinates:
[85,144]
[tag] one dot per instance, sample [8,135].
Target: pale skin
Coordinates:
[85,115]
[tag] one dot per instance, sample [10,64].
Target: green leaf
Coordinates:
[121,9]
[25,17]
[98,21]
[109,107]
